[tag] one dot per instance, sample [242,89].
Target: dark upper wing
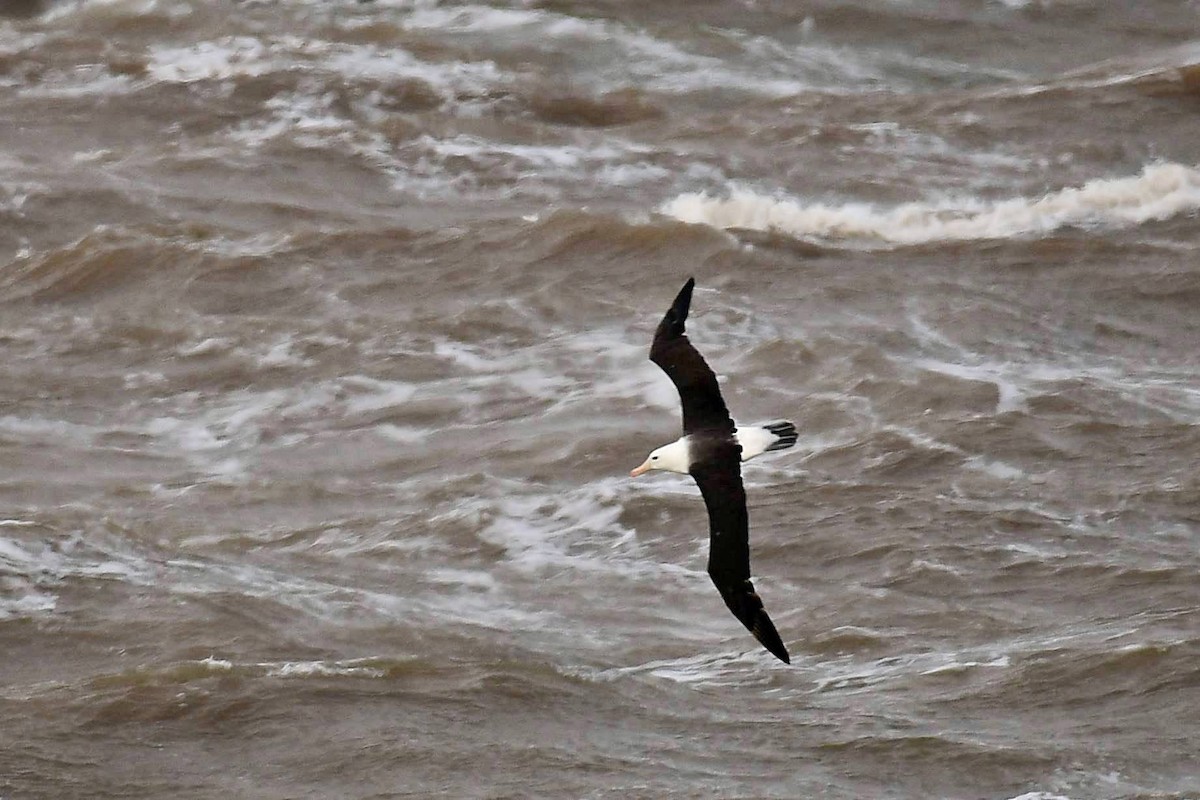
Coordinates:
[703,408]
[718,474]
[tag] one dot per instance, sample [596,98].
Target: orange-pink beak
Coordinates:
[645,467]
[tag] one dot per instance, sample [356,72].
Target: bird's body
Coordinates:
[711,451]
[754,441]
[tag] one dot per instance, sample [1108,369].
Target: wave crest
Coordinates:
[1159,192]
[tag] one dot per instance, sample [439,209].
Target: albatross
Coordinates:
[712,450]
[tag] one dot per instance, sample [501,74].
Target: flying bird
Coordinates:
[712,450]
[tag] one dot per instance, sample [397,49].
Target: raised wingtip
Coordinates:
[672,322]
[683,301]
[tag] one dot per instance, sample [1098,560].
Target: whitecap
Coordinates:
[40,429]
[619,54]
[217,664]
[213,60]
[32,570]
[24,601]
[320,669]
[699,670]
[81,82]
[372,394]
[1160,191]
[102,8]
[14,194]
[247,56]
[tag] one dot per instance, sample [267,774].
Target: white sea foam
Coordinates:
[1011,380]
[457,163]
[371,394]
[741,667]
[550,372]
[17,601]
[23,575]
[214,60]
[217,664]
[14,194]
[1017,381]
[247,56]
[1167,64]
[474,603]
[309,121]
[851,674]
[356,668]
[313,118]
[223,436]
[82,82]
[579,528]
[540,157]
[321,669]
[392,63]
[283,354]
[955,667]
[540,28]
[310,118]
[14,41]
[619,55]
[1159,192]
[103,8]
[32,570]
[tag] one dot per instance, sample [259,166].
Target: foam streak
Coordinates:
[1159,192]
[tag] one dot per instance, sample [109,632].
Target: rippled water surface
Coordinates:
[324,331]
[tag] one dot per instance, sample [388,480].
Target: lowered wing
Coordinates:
[720,480]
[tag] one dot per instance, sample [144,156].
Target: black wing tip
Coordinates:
[768,637]
[672,326]
[746,605]
[683,301]
[779,651]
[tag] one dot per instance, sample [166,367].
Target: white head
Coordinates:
[673,457]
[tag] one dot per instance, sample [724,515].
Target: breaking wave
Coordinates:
[1159,192]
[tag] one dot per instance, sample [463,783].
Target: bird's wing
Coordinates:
[703,407]
[718,474]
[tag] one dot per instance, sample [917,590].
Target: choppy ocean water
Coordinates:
[325,328]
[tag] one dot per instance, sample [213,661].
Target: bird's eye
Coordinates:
[654,458]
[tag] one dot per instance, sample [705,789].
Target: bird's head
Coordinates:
[672,457]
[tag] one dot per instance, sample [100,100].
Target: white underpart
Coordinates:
[676,456]
[754,441]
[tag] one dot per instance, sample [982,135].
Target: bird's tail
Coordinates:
[785,433]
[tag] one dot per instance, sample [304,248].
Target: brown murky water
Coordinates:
[324,331]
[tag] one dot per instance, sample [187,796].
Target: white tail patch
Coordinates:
[758,439]
[1159,192]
